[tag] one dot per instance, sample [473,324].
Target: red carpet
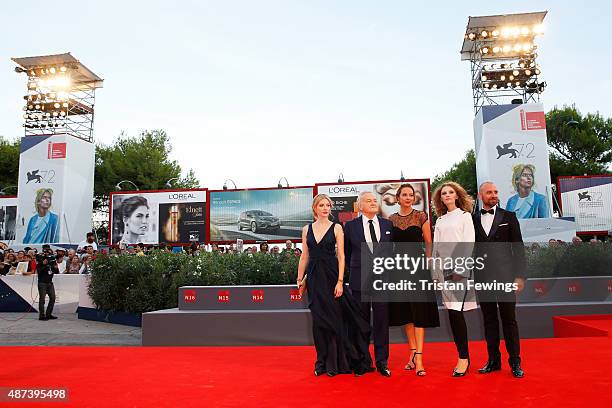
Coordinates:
[583,326]
[559,372]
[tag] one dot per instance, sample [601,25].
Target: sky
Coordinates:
[258,90]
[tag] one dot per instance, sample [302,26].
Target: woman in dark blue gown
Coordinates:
[340,331]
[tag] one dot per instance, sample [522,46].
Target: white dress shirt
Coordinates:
[487,220]
[366,228]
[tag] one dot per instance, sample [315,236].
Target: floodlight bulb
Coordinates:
[52,70]
[511,77]
[517,83]
[502,78]
[56,105]
[538,29]
[515,72]
[485,50]
[484,78]
[471,36]
[509,84]
[37,107]
[525,30]
[528,72]
[63,69]
[496,49]
[505,32]
[55,114]
[495,33]
[507,48]
[486,85]
[494,86]
[62,113]
[516,31]
[517,47]
[65,104]
[526,47]
[537,72]
[484,34]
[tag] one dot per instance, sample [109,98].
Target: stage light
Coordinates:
[496,50]
[507,48]
[517,83]
[495,33]
[538,29]
[485,50]
[484,34]
[63,69]
[65,104]
[537,72]
[515,72]
[32,85]
[62,113]
[517,47]
[37,107]
[486,85]
[502,78]
[505,32]
[516,31]
[62,96]
[55,114]
[525,30]
[471,36]
[52,70]
[494,86]
[56,105]
[528,72]
[526,47]
[484,78]
[509,84]
[511,77]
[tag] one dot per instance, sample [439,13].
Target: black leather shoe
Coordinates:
[51,317]
[43,318]
[383,369]
[517,371]
[331,373]
[319,371]
[490,367]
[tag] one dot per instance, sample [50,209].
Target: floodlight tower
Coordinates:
[60,97]
[502,56]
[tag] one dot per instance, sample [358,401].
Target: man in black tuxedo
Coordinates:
[369,228]
[503,263]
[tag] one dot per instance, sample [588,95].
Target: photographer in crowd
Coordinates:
[46,267]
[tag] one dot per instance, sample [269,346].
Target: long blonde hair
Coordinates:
[315,202]
[463,201]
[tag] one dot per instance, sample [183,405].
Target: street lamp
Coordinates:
[225,184]
[2,193]
[168,183]
[118,185]
[279,185]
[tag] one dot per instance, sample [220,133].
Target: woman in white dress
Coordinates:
[453,239]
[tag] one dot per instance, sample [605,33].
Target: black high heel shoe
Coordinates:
[458,374]
[408,366]
[419,373]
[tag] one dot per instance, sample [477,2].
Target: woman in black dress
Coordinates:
[411,225]
[341,333]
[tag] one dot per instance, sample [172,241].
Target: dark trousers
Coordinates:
[460,333]
[378,314]
[509,326]
[45,289]
[327,349]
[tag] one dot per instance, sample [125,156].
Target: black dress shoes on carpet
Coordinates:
[383,369]
[490,367]
[517,371]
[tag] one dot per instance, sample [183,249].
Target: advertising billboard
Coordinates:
[151,217]
[344,196]
[55,200]
[588,199]
[272,214]
[8,218]
[511,151]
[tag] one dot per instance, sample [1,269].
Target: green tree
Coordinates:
[462,172]
[579,144]
[9,164]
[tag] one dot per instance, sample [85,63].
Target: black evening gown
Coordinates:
[341,333]
[422,313]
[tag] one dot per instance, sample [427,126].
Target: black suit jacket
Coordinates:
[354,236]
[504,262]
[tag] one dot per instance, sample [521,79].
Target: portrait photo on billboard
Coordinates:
[8,218]
[345,196]
[260,214]
[43,226]
[526,202]
[133,220]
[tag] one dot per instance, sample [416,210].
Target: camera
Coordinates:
[41,257]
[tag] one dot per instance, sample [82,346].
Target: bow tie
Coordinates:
[483,211]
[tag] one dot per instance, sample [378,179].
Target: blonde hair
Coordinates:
[39,193]
[463,201]
[517,171]
[316,200]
